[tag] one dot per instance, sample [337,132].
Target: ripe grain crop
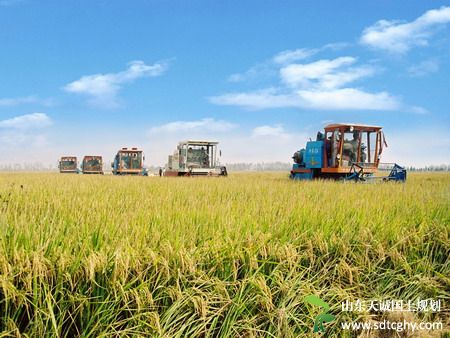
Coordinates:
[98,256]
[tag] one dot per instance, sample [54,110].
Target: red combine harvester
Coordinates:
[92,165]
[68,165]
[129,161]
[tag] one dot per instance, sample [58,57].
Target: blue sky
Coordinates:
[88,77]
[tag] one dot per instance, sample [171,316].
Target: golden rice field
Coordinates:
[104,256]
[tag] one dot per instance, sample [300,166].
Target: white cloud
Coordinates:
[336,99]
[270,131]
[399,37]
[32,99]
[28,121]
[335,46]
[269,67]
[316,85]
[348,98]
[256,72]
[261,99]
[103,88]
[206,124]
[327,74]
[295,73]
[424,68]
[24,130]
[289,56]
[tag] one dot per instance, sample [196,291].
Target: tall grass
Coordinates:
[198,257]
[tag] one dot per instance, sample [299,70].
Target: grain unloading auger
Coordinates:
[348,152]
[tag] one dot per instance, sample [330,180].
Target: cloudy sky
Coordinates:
[261,77]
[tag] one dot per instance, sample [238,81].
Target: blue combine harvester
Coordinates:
[345,152]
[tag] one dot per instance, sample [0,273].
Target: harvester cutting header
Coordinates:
[345,151]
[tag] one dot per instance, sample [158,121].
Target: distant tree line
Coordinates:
[37,166]
[441,167]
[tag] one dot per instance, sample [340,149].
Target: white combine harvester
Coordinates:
[195,158]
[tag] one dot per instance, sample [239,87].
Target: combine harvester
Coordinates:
[345,152]
[195,158]
[129,162]
[68,165]
[92,165]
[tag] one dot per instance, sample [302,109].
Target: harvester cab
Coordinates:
[345,151]
[92,165]
[195,158]
[129,161]
[68,164]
